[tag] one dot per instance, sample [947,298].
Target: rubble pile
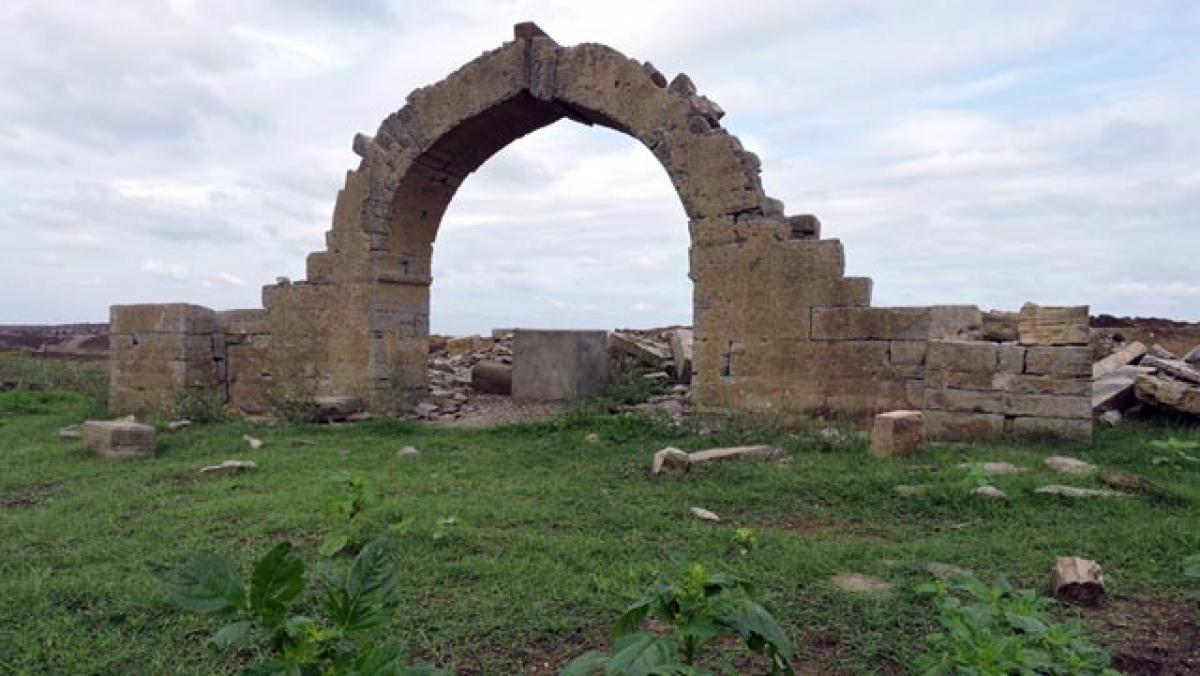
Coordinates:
[1134,377]
[463,369]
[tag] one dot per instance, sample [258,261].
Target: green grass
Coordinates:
[554,536]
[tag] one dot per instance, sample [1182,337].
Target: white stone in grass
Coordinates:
[230,467]
[989,492]
[1066,465]
[670,458]
[859,583]
[409,452]
[176,425]
[705,515]
[70,433]
[253,442]
[908,490]
[994,468]
[946,571]
[592,438]
[1077,492]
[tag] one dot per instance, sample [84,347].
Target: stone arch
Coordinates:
[388,214]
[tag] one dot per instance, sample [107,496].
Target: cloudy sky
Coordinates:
[977,152]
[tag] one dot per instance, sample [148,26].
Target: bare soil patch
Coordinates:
[1148,636]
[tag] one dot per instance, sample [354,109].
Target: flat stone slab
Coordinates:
[946,571]
[994,468]
[1077,492]
[735,453]
[230,467]
[118,439]
[989,492]
[1066,465]
[705,515]
[858,583]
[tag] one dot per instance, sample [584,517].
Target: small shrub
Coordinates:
[349,496]
[699,609]
[628,387]
[1001,630]
[294,405]
[198,406]
[745,540]
[1176,453]
[334,640]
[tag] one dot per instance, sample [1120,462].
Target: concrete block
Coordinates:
[559,365]
[118,439]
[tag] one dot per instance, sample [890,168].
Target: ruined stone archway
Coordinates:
[779,328]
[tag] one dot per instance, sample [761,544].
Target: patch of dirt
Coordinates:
[817,526]
[1149,637]
[1178,337]
[28,497]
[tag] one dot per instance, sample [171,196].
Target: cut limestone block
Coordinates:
[893,323]
[1174,368]
[118,439]
[1114,390]
[559,365]
[705,515]
[897,434]
[1065,429]
[492,377]
[1046,325]
[1077,581]
[670,458]
[1167,393]
[230,467]
[959,426]
[1193,357]
[1064,361]
[1067,465]
[735,453]
[1122,357]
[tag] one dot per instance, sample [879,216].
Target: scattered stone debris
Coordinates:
[335,409]
[408,452]
[1132,376]
[1077,581]
[69,433]
[1077,492]
[705,515]
[176,425]
[1067,465]
[909,490]
[230,467]
[945,571]
[1111,418]
[994,468]
[592,438]
[119,438]
[989,492]
[253,442]
[897,434]
[859,584]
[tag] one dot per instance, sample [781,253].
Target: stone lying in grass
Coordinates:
[673,458]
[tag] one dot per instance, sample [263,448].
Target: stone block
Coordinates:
[681,354]
[1123,356]
[970,401]
[892,323]
[1066,429]
[1000,326]
[492,377]
[1167,393]
[1034,384]
[963,356]
[162,318]
[1047,325]
[959,426]
[908,352]
[897,434]
[118,439]
[1010,358]
[1069,362]
[559,365]
[1049,405]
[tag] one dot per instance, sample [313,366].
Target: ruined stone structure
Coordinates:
[779,328]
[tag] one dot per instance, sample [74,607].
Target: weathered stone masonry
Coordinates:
[779,328]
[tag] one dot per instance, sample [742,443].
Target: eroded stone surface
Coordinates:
[897,434]
[859,583]
[118,439]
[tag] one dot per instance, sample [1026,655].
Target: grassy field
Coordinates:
[551,536]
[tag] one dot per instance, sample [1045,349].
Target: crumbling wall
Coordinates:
[779,328]
[161,352]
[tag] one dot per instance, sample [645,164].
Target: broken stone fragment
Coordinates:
[425,409]
[1066,465]
[705,515]
[1173,367]
[1077,492]
[1077,581]
[762,452]
[69,433]
[1170,394]
[492,377]
[682,85]
[1111,418]
[1192,358]
[1160,352]
[230,467]
[328,409]
[592,438]
[253,442]
[947,572]
[897,434]
[408,452]
[1124,356]
[670,458]
[176,425]
[681,354]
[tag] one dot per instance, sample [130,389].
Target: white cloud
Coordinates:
[175,271]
